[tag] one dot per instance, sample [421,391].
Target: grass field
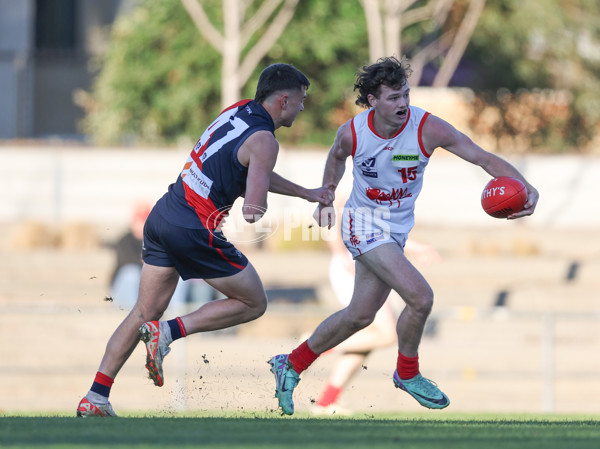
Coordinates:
[266,430]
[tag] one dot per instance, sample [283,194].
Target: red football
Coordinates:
[503,196]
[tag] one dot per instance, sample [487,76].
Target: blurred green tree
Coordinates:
[440,31]
[161,78]
[158,78]
[327,41]
[248,34]
[520,48]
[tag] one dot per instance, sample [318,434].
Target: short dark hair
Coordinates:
[278,77]
[388,71]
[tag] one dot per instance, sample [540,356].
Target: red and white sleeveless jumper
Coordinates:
[387,179]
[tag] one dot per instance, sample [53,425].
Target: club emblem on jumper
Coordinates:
[382,197]
[368,167]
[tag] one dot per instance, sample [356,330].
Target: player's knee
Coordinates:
[258,306]
[261,309]
[424,304]
[358,322]
[150,313]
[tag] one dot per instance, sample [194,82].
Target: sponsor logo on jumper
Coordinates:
[368,167]
[381,196]
[405,157]
[388,148]
[198,182]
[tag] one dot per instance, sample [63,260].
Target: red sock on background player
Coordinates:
[329,396]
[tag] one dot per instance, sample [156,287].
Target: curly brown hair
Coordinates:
[388,71]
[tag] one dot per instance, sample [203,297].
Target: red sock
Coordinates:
[102,384]
[329,395]
[407,367]
[302,357]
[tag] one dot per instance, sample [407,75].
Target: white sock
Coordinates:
[96,398]
[165,330]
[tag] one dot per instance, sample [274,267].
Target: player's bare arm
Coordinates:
[259,154]
[334,170]
[439,133]
[339,152]
[282,186]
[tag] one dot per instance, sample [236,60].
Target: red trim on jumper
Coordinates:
[350,221]
[354,140]
[351,232]
[372,126]
[103,379]
[420,134]
[196,155]
[238,104]
[204,208]
[181,327]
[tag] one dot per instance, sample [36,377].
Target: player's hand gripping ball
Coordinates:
[503,196]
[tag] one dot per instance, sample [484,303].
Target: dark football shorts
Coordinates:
[195,253]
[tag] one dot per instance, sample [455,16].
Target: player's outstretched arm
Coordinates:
[439,133]
[283,186]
